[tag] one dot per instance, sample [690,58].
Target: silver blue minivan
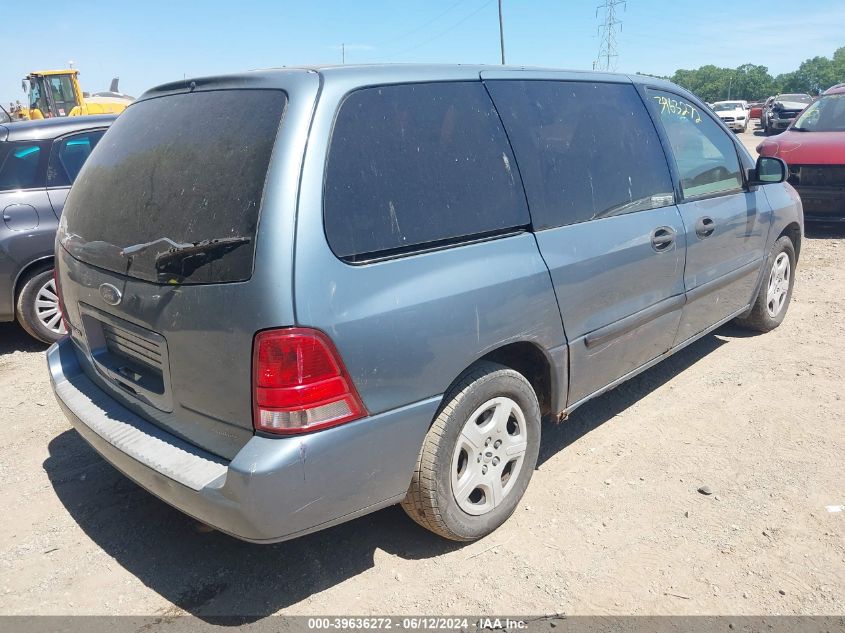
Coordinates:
[297,296]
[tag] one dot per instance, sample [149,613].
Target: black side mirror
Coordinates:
[769,170]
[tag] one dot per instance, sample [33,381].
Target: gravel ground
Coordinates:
[611,524]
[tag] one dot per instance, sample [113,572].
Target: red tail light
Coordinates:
[61,299]
[299,383]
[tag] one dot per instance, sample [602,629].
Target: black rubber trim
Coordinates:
[361,259]
[633,321]
[724,280]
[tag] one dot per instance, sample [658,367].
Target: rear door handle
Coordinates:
[704,227]
[663,238]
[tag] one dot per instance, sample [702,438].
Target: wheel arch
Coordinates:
[32,268]
[536,364]
[793,232]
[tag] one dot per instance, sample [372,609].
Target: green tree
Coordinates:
[815,75]
[709,82]
[752,82]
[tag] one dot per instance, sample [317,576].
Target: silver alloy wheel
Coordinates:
[47,308]
[489,455]
[778,285]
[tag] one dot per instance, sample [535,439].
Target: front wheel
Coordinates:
[478,456]
[775,293]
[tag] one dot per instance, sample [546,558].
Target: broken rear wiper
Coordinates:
[181,260]
[135,249]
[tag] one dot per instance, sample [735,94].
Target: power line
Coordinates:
[445,31]
[419,27]
[606,59]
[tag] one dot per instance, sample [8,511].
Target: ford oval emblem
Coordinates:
[110,294]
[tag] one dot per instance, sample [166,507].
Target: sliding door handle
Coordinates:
[704,227]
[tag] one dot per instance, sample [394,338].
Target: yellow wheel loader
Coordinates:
[57,93]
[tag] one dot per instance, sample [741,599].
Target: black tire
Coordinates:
[26,310]
[430,500]
[760,318]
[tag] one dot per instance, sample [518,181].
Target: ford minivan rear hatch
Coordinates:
[173,192]
[156,258]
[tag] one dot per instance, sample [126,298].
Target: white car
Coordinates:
[733,113]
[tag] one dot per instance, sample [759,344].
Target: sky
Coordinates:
[154,41]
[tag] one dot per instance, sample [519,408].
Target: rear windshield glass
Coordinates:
[172,192]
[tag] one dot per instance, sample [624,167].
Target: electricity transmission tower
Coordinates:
[607,56]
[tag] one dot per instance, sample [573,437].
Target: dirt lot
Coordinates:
[611,524]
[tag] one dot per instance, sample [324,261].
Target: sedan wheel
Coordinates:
[47,308]
[37,307]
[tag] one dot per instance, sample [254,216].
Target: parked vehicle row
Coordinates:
[814,148]
[297,296]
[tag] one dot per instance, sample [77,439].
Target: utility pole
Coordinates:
[501,34]
[606,59]
[342,53]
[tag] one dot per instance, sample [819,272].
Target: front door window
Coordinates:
[704,153]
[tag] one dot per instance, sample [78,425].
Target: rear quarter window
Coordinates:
[68,155]
[418,165]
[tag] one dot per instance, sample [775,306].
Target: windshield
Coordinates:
[172,192]
[724,107]
[797,98]
[825,115]
[4,116]
[61,90]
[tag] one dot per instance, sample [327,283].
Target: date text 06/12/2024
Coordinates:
[415,623]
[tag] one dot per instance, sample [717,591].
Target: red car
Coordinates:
[814,148]
[756,111]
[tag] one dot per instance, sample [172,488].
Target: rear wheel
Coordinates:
[775,293]
[37,308]
[478,456]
